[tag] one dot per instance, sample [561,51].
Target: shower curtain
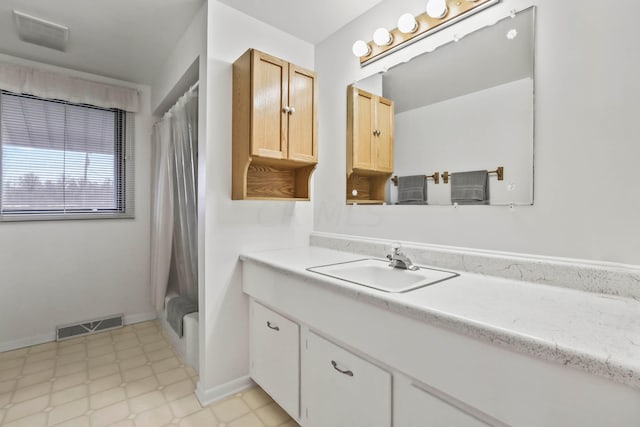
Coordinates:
[174,226]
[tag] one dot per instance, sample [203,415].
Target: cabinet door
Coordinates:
[269,97]
[341,389]
[275,356]
[363,116]
[384,138]
[302,118]
[418,407]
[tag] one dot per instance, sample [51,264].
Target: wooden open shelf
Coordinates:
[364,202]
[282,182]
[371,188]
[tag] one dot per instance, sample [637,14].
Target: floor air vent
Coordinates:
[89,327]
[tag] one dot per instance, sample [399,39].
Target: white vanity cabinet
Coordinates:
[340,389]
[406,372]
[275,356]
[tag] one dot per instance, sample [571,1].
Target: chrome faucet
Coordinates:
[398,259]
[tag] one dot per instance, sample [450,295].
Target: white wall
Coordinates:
[230,226]
[58,272]
[174,77]
[481,130]
[586,138]
[372,84]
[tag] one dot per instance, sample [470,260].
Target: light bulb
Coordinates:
[360,49]
[407,24]
[437,9]
[382,37]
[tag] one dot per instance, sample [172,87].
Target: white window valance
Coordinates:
[23,79]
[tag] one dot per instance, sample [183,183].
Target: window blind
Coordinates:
[63,160]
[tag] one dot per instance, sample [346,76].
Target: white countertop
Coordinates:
[596,333]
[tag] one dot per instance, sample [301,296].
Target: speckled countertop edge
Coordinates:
[521,343]
[602,278]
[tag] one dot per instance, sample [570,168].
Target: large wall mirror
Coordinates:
[466,107]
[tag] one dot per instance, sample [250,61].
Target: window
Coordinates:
[61,160]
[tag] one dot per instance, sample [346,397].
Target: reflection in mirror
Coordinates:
[468,106]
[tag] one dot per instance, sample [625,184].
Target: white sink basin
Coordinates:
[376,273]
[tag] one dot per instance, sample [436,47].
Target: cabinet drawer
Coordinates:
[341,389]
[275,356]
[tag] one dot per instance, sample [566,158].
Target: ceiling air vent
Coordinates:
[43,33]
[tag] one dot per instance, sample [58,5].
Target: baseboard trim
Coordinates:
[209,396]
[130,319]
[41,339]
[27,342]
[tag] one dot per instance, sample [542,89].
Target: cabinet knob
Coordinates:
[292,110]
[286,109]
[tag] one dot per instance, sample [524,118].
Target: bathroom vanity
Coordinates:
[471,350]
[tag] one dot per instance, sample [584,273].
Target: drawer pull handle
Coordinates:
[274,327]
[335,366]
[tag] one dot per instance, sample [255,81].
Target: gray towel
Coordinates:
[412,190]
[177,308]
[470,188]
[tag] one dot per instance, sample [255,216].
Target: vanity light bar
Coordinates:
[457,10]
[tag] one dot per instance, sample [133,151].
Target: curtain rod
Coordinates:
[193,87]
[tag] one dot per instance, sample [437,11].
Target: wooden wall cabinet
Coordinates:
[369,146]
[274,128]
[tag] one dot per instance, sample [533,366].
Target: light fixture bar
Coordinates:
[458,10]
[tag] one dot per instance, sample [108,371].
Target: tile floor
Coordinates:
[127,377]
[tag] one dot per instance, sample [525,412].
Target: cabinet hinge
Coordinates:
[306,344]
